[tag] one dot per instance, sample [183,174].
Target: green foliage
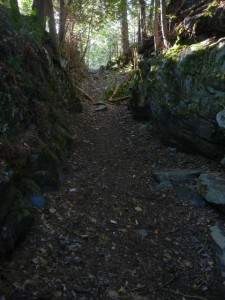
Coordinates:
[173,52]
[26,7]
[104,45]
[108,93]
[13,61]
[123,88]
[208,11]
[103,240]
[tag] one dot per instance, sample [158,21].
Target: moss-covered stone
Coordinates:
[182,94]
[36,93]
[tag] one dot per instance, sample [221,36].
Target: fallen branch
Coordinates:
[186,295]
[85,94]
[114,93]
[119,99]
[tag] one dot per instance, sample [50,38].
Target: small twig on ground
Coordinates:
[137,288]
[85,94]
[186,295]
[119,99]
[163,285]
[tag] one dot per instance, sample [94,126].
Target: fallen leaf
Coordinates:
[138,208]
[84,236]
[113,222]
[122,290]
[44,261]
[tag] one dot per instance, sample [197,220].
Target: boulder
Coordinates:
[211,186]
[177,175]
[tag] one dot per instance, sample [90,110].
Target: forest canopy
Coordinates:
[98,31]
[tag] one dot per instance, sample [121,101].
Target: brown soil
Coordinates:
[86,243]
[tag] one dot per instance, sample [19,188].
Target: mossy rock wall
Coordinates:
[36,93]
[182,93]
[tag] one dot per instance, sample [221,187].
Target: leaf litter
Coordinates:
[114,237]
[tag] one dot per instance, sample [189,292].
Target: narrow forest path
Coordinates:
[108,233]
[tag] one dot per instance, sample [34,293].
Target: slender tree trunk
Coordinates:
[164,23]
[143,20]
[88,37]
[40,12]
[14,6]
[124,27]
[150,18]
[156,26]
[52,26]
[63,13]
[15,11]
[62,21]
[139,30]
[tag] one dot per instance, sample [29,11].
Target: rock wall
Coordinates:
[36,93]
[183,93]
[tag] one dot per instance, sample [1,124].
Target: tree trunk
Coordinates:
[124,27]
[52,26]
[164,23]
[143,20]
[150,18]
[156,26]
[62,21]
[39,7]
[139,30]
[63,13]
[15,11]
[88,37]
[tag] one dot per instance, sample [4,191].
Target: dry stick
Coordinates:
[137,288]
[163,285]
[187,296]
[119,99]
[114,92]
[85,94]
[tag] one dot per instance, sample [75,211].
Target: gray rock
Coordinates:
[101,108]
[222,162]
[172,149]
[164,185]
[188,193]
[37,200]
[99,103]
[182,93]
[220,118]
[177,175]
[218,247]
[212,187]
[143,233]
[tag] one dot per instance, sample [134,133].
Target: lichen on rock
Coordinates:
[182,93]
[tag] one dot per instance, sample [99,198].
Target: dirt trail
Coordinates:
[107,234]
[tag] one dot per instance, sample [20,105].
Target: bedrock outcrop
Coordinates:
[183,93]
